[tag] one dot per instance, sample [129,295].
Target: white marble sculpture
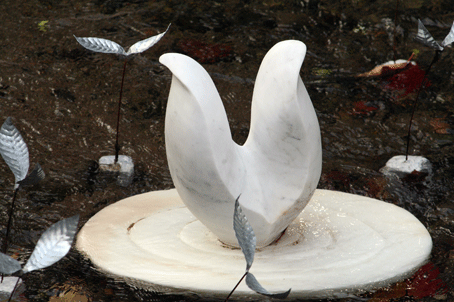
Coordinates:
[341,244]
[276,171]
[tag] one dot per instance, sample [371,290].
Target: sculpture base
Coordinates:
[124,167]
[401,166]
[9,285]
[340,245]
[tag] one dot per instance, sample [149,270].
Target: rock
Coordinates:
[124,167]
[402,167]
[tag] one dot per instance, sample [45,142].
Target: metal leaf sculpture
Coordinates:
[426,38]
[53,245]
[108,46]
[247,241]
[143,45]
[35,176]
[100,45]
[449,38]
[253,284]
[8,265]
[244,234]
[14,151]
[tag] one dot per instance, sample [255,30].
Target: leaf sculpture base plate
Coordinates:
[340,245]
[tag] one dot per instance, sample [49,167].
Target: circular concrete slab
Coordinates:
[341,244]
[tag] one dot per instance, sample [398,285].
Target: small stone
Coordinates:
[7,287]
[401,166]
[441,297]
[124,166]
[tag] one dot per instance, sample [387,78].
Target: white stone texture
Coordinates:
[401,166]
[7,287]
[124,168]
[341,244]
[278,168]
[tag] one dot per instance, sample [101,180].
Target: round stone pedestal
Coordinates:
[341,244]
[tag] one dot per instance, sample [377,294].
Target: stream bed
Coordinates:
[63,99]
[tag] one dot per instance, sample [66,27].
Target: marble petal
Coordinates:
[278,168]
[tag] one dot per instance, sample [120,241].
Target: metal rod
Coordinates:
[226,299]
[10,219]
[14,289]
[415,103]
[8,226]
[117,145]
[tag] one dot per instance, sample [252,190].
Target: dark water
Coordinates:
[63,99]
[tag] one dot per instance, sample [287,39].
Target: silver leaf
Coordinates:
[449,38]
[8,265]
[244,234]
[53,245]
[143,45]
[108,46]
[14,150]
[253,284]
[426,38]
[35,176]
[100,45]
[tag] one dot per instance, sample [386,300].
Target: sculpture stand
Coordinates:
[7,287]
[340,245]
[124,168]
[400,166]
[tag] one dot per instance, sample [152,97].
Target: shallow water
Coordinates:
[63,99]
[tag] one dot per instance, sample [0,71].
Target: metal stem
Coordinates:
[14,289]
[226,299]
[8,226]
[10,219]
[117,145]
[415,103]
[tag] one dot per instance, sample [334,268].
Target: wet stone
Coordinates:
[7,287]
[401,166]
[124,167]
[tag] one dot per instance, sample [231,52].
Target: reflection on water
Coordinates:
[63,101]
